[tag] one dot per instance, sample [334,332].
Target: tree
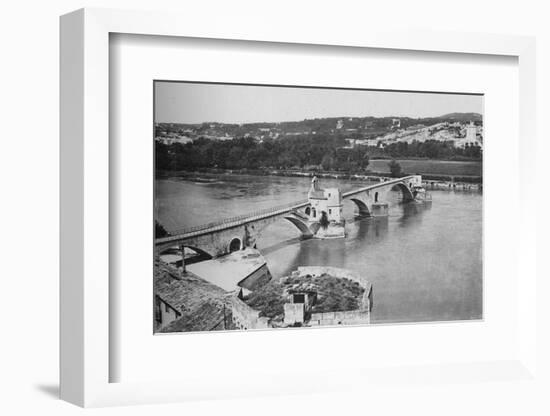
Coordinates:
[395,169]
[327,162]
[160,231]
[324,222]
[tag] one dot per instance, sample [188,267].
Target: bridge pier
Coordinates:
[379,209]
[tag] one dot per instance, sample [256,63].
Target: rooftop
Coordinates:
[209,316]
[228,271]
[187,293]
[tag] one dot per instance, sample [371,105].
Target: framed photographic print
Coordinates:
[260,197]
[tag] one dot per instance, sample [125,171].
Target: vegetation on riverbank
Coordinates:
[329,153]
[334,294]
[192,174]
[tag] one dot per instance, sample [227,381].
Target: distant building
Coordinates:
[396,123]
[173,139]
[339,124]
[471,133]
[470,138]
[351,143]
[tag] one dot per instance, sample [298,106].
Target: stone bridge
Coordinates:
[219,238]
[373,200]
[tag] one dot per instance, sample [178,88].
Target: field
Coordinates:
[433,167]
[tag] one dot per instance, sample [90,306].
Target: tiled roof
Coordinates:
[184,294]
[209,316]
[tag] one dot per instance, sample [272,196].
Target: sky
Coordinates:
[178,102]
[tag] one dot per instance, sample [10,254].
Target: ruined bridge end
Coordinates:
[217,239]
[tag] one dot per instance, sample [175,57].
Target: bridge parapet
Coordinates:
[251,216]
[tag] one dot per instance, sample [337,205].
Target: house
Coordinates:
[301,298]
[169,299]
[178,297]
[324,202]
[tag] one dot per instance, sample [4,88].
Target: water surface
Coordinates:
[424,261]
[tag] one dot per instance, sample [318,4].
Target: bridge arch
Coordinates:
[406,192]
[179,250]
[235,244]
[361,206]
[301,225]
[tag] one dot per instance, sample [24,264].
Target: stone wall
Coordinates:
[357,317]
[452,186]
[294,312]
[244,317]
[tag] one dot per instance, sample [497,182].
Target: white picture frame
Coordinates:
[85,265]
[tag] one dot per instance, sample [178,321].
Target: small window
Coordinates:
[166,308]
[330,211]
[158,312]
[299,298]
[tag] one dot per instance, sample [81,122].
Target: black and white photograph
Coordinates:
[303,207]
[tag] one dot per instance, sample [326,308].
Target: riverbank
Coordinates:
[466,168]
[430,181]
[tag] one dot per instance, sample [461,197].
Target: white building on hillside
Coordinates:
[471,137]
[471,133]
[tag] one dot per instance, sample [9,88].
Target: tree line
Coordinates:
[429,149]
[329,153]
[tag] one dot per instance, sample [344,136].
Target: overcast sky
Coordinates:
[179,102]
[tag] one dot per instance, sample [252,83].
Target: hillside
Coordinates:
[353,127]
[462,117]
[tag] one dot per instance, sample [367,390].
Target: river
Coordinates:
[425,262]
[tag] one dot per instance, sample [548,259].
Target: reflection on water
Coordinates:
[424,260]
